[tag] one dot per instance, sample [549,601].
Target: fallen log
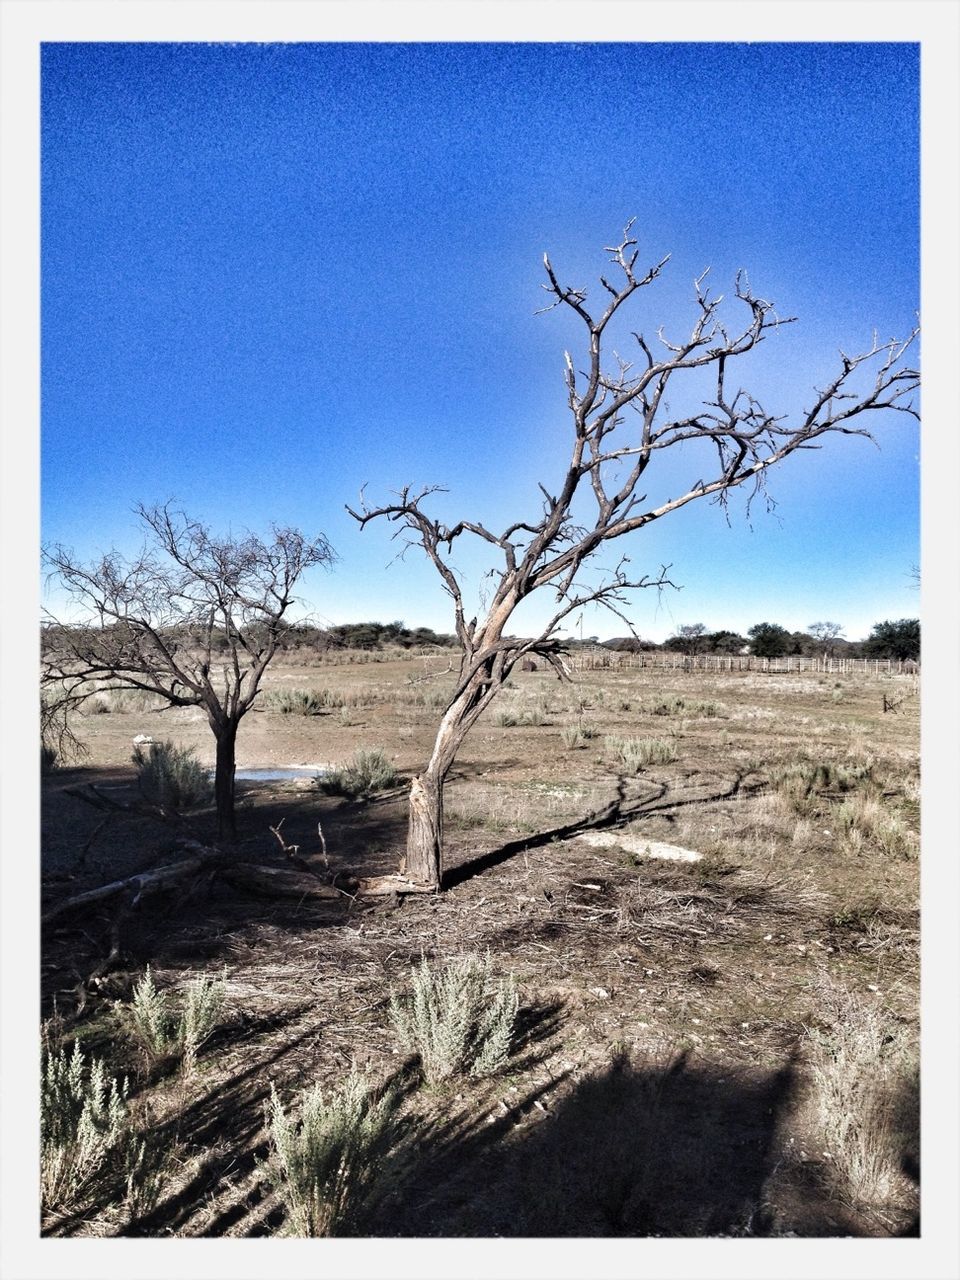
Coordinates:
[145,882]
[275,881]
[285,883]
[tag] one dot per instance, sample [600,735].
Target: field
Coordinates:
[720,1046]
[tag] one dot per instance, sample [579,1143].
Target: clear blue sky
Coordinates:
[274,273]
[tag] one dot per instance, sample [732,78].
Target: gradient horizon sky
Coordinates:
[273,273]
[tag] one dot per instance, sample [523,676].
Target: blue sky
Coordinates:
[274,273]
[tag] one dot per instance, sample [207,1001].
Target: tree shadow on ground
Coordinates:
[660,799]
[636,1150]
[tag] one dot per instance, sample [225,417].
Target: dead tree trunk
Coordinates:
[423,861]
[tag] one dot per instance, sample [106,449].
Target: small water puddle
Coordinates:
[293,773]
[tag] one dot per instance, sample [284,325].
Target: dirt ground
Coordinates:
[660,1082]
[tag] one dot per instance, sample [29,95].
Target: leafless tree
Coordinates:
[620,421]
[825,633]
[194,619]
[690,638]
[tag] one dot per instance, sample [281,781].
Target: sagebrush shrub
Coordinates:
[634,753]
[862,819]
[172,777]
[166,1025]
[366,773]
[328,1165]
[804,781]
[82,1123]
[302,702]
[146,1166]
[459,1019]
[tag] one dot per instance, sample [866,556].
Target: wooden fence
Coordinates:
[598,659]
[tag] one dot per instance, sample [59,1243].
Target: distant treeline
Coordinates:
[899,640]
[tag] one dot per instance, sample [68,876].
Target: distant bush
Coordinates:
[459,1020]
[329,1166]
[532,717]
[82,1123]
[667,707]
[634,753]
[49,757]
[803,781]
[172,777]
[368,772]
[302,702]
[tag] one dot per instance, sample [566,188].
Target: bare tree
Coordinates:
[690,638]
[620,420]
[825,633]
[194,619]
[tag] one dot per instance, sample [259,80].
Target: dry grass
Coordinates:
[865,1080]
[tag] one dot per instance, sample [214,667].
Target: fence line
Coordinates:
[598,659]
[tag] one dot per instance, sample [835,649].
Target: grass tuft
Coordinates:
[865,1074]
[634,753]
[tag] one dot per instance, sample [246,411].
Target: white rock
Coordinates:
[639,846]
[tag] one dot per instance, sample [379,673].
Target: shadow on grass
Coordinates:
[617,813]
[636,1150]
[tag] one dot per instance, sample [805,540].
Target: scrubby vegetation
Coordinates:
[172,777]
[368,772]
[330,1156]
[83,1114]
[759,1000]
[458,1020]
[167,1025]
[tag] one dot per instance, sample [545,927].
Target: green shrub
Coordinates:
[572,737]
[164,1026]
[328,1167]
[82,1124]
[146,1167]
[368,772]
[172,777]
[459,1020]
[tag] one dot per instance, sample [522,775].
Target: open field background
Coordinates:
[722,1046]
